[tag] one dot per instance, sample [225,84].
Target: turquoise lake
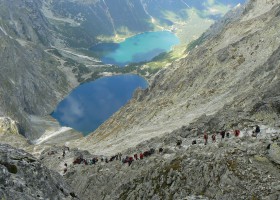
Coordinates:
[139,48]
[90,104]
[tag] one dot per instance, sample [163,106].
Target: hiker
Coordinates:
[214,137]
[152,151]
[160,150]
[130,161]
[179,142]
[227,134]
[146,154]
[112,159]
[205,136]
[193,142]
[223,133]
[237,133]
[78,160]
[63,153]
[257,130]
[125,160]
[135,156]
[120,156]
[141,156]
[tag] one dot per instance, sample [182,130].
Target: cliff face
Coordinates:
[31,83]
[233,77]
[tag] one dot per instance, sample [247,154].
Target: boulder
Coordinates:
[274,153]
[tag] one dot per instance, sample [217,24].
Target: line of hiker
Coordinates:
[130,159]
[127,159]
[226,134]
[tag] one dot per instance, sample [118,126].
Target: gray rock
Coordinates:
[24,177]
[274,153]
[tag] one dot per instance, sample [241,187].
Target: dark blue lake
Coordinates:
[90,104]
[139,48]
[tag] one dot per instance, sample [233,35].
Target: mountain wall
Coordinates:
[31,83]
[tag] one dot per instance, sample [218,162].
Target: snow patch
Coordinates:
[49,134]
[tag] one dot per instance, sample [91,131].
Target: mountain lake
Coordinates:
[90,104]
[139,48]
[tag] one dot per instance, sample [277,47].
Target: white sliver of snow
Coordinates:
[49,135]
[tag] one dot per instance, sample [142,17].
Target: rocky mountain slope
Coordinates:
[31,83]
[38,63]
[234,168]
[34,76]
[231,81]
[24,177]
[233,77]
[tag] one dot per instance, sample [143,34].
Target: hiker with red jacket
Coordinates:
[237,133]
[141,156]
[205,136]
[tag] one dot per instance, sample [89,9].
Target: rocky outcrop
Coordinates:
[274,153]
[10,133]
[24,177]
[7,125]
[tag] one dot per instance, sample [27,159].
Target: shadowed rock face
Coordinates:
[24,177]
